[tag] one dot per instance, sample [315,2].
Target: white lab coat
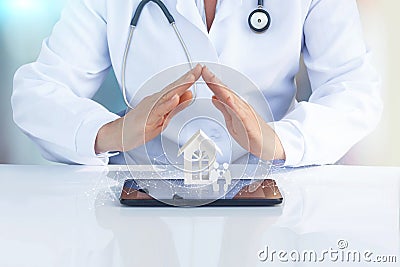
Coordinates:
[51,98]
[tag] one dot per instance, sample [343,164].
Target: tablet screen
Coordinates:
[242,193]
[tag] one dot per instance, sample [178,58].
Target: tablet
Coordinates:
[245,192]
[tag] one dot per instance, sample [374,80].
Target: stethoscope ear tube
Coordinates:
[143,3]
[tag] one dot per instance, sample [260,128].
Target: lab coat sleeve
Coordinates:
[345,104]
[51,98]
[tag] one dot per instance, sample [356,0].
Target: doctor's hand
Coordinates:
[243,122]
[147,120]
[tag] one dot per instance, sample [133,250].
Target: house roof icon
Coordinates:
[200,141]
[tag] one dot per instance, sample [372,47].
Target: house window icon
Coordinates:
[200,165]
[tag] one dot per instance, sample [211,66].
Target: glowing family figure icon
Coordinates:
[218,173]
[200,166]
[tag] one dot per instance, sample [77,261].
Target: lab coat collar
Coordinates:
[226,8]
[188,9]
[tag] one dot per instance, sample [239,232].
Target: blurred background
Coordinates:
[25,23]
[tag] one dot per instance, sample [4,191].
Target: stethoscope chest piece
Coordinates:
[259,20]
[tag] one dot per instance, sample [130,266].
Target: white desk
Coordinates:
[68,216]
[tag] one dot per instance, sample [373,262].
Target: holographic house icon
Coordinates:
[199,155]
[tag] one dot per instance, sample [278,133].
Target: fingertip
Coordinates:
[197,71]
[217,103]
[211,77]
[217,100]
[205,70]
[186,96]
[188,93]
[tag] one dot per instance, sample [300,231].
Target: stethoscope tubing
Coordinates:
[132,28]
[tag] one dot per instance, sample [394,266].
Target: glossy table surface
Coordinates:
[70,216]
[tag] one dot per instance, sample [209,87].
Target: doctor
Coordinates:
[51,98]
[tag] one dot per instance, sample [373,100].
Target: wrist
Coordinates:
[279,151]
[109,137]
[272,148]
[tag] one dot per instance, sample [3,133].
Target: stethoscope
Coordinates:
[259,21]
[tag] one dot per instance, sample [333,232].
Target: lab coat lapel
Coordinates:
[188,9]
[226,8]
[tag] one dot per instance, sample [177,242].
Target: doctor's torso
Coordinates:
[51,97]
[270,60]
